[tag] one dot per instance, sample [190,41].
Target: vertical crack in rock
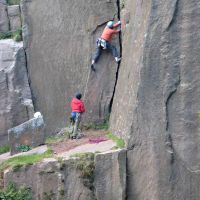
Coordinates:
[120,44]
[169,142]
[27,112]
[9,26]
[172,92]
[7,81]
[173,16]
[29,79]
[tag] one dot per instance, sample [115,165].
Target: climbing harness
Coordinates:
[101,43]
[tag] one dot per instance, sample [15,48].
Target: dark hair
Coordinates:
[78,95]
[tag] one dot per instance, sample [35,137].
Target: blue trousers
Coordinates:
[75,121]
[99,50]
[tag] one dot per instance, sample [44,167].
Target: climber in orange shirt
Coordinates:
[104,42]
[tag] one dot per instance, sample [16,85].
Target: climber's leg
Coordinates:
[114,52]
[76,125]
[97,54]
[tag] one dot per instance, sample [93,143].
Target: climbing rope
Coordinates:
[86,85]
[88,76]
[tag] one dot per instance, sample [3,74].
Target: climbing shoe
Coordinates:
[117,59]
[93,68]
[73,137]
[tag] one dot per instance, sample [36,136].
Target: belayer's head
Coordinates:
[110,24]
[78,95]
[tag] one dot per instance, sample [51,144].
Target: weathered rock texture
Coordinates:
[14,16]
[60,37]
[157,99]
[110,175]
[4,22]
[51,180]
[15,96]
[64,180]
[29,133]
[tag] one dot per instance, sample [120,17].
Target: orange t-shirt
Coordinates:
[108,32]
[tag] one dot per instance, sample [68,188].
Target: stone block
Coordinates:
[14,17]
[16,105]
[13,10]
[110,175]
[30,133]
[4,22]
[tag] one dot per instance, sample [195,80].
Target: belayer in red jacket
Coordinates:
[104,42]
[77,107]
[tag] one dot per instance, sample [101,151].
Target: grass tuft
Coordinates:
[98,126]
[57,139]
[119,142]
[4,149]
[15,35]
[24,148]
[16,162]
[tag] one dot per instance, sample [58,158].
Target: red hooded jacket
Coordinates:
[77,105]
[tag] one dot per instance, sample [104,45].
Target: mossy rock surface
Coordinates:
[13,2]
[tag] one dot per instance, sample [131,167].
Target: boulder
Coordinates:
[15,103]
[110,175]
[30,133]
[14,16]
[60,38]
[4,22]
[156,104]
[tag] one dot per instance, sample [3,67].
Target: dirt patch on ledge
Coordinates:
[70,144]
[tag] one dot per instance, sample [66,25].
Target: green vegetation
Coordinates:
[85,165]
[4,149]
[119,142]
[16,162]
[95,126]
[24,148]
[15,35]
[13,2]
[62,193]
[12,192]
[61,162]
[104,125]
[49,196]
[57,139]
[198,114]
